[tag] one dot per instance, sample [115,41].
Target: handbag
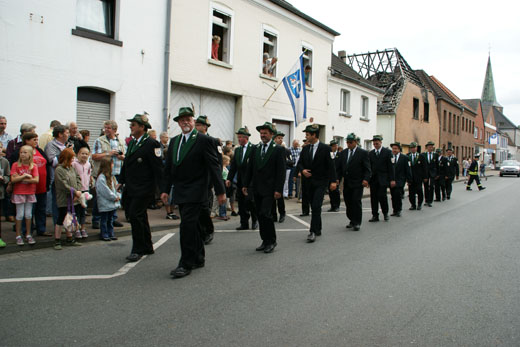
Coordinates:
[70,223]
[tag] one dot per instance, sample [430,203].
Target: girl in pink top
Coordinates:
[84,170]
[24,175]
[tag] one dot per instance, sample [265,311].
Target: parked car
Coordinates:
[510,167]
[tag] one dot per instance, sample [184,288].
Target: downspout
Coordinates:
[166,91]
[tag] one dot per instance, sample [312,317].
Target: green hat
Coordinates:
[267,125]
[351,137]
[413,145]
[243,131]
[203,119]
[438,150]
[396,143]
[184,111]
[430,143]
[377,138]
[141,119]
[312,128]
[279,133]
[333,142]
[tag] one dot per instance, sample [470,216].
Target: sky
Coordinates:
[450,40]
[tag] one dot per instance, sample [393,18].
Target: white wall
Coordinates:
[386,128]
[42,65]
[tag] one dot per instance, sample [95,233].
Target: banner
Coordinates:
[294,83]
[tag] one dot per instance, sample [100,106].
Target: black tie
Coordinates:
[349,158]
[264,150]
[312,152]
[183,142]
[377,153]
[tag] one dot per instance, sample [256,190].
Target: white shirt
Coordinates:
[314,148]
[244,149]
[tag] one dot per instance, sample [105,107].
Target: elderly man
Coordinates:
[107,145]
[4,136]
[191,163]
[47,137]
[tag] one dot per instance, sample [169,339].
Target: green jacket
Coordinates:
[64,179]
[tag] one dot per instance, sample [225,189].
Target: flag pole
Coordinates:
[274,91]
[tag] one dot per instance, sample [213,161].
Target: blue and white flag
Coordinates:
[294,83]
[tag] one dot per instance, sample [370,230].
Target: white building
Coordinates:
[231,87]
[82,60]
[352,104]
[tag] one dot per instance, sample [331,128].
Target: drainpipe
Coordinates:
[167,83]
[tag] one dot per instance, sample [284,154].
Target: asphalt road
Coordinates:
[445,276]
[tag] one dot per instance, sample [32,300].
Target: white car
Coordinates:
[510,167]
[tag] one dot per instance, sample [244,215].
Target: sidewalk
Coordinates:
[157,220]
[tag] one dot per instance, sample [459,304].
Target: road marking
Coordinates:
[300,220]
[252,231]
[122,271]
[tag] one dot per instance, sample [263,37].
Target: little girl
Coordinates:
[107,198]
[24,175]
[83,168]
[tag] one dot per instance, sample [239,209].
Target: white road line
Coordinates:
[300,221]
[253,231]
[122,271]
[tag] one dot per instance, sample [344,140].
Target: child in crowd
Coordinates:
[84,170]
[222,208]
[24,175]
[5,176]
[107,198]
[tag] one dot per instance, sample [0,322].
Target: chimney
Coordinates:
[343,55]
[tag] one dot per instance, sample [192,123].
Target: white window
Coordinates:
[364,107]
[475,133]
[307,64]
[221,38]
[269,52]
[344,102]
[339,140]
[97,16]
[368,145]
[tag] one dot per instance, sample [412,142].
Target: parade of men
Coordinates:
[264,180]
[246,207]
[402,175]
[141,174]
[318,174]
[382,175]
[192,162]
[451,171]
[334,195]
[430,161]
[415,182]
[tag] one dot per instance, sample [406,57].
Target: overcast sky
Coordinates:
[448,39]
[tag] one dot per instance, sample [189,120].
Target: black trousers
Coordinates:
[281,208]
[192,244]
[352,197]
[136,208]
[378,197]
[206,224]
[264,205]
[474,178]
[246,208]
[305,197]
[315,194]
[334,197]
[440,188]
[429,187]
[397,199]
[415,188]
[449,188]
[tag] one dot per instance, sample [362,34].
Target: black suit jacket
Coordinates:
[417,168]
[356,171]
[239,165]
[192,175]
[402,172]
[264,177]
[431,168]
[322,166]
[451,166]
[382,170]
[141,171]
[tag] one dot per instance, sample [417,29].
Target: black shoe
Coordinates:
[171,216]
[282,218]
[356,227]
[448,197]
[429,204]
[117,224]
[270,248]
[175,217]
[95,225]
[419,208]
[393,214]
[134,257]
[304,214]
[261,247]
[311,237]
[113,238]
[106,239]
[349,226]
[243,227]
[444,199]
[148,252]
[481,188]
[333,210]
[153,207]
[180,272]
[254,225]
[386,217]
[374,219]
[412,208]
[438,200]
[234,214]
[468,188]
[397,214]
[208,239]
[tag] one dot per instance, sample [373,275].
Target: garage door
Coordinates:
[220,109]
[92,110]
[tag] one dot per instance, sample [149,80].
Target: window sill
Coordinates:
[96,36]
[345,115]
[267,77]
[364,119]
[220,63]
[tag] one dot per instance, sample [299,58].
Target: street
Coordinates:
[444,276]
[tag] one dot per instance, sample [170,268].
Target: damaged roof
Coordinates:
[341,70]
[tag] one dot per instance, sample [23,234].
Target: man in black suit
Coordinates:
[318,173]
[140,175]
[451,170]
[440,182]
[246,207]
[289,163]
[192,161]
[402,174]
[265,178]
[354,167]
[382,174]
[430,160]
[415,182]
[334,196]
